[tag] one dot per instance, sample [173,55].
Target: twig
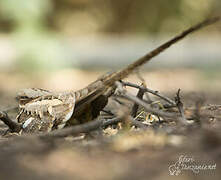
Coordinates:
[117,120]
[143,104]
[146,58]
[111,122]
[180,107]
[145,89]
[86,128]
[136,106]
[13,126]
[74,130]
[197,111]
[151,110]
[139,124]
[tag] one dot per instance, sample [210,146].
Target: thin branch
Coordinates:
[180,107]
[145,89]
[146,58]
[86,128]
[151,110]
[117,120]
[139,124]
[197,111]
[74,130]
[143,104]
[136,106]
[13,126]
[111,121]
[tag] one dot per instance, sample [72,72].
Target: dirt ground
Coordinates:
[156,153]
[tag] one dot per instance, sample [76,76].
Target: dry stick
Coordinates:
[138,124]
[83,128]
[129,96]
[136,106]
[146,58]
[111,121]
[156,93]
[197,111]
[86,128]
[117,120]
[13,126]
[151,110]
[180,107]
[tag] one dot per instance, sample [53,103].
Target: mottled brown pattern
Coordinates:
[83,105]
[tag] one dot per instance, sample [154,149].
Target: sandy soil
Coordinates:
[132,154]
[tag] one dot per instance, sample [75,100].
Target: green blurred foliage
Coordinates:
[106,16]
[37,46]
[24,11]
[38,26]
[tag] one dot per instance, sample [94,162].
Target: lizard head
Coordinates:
[26,95]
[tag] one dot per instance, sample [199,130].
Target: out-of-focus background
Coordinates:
[65,44]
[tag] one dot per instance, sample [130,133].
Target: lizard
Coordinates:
[43,111]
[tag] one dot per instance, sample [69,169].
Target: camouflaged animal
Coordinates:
[44,111]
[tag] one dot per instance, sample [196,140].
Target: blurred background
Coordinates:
[65,44]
